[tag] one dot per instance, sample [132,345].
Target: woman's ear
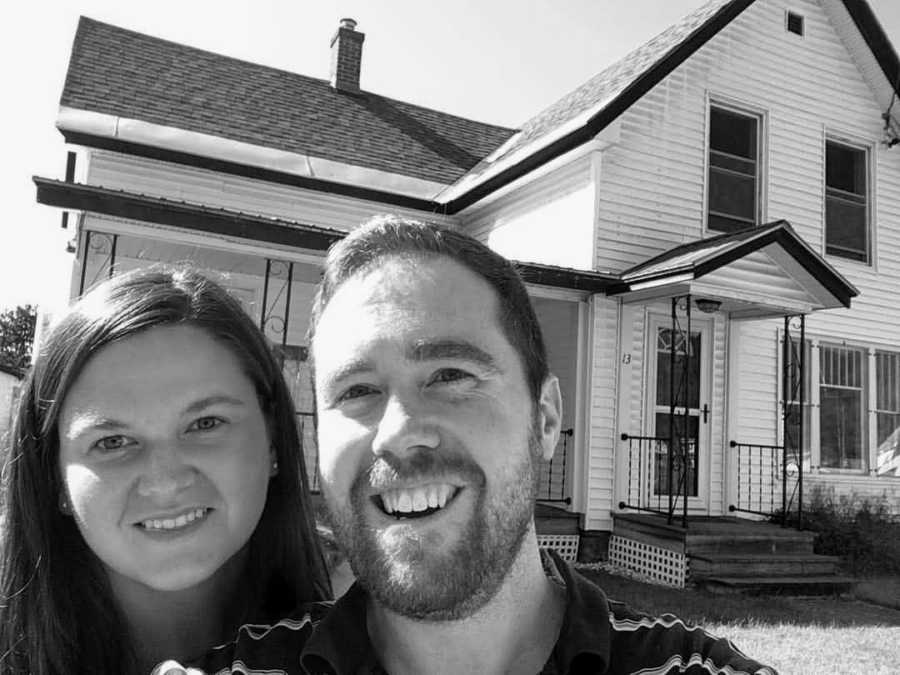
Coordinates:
[549,418]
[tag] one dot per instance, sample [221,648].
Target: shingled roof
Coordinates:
[131,75]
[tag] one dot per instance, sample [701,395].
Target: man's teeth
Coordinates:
[412,500]
[173,523]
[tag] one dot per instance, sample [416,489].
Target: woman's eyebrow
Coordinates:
[89,421]
[433,350]
[216,399]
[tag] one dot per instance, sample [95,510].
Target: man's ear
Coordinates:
[549,418]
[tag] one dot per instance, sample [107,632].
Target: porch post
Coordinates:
[785,413]
[801,431]
[685,441]
[671,449]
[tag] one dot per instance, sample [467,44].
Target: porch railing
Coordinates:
[553,480]
[653,470]
[767,481]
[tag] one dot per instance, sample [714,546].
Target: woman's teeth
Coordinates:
[413,500]
[173,523]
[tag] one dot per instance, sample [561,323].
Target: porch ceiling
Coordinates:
[755,273]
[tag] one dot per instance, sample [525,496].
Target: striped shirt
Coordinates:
[598,637]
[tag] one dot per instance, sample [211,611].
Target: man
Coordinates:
[435,405]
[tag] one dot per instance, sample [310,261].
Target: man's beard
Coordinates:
[401,571]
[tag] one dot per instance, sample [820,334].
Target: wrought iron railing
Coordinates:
[653,471]
[553,480]
[767,481]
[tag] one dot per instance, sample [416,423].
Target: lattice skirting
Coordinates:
[659,564]
[564,544]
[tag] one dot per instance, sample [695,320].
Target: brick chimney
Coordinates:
[346,55]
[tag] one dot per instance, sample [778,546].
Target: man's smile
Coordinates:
[416,501]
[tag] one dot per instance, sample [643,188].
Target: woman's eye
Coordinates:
[356,391]
[206,424]
[111,443]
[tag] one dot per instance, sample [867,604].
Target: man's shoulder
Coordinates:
[667,644]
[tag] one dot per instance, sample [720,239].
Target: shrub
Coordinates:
[861,530]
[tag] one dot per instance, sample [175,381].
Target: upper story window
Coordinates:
[846,201]
[733,186]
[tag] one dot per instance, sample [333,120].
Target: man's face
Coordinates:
[428,437]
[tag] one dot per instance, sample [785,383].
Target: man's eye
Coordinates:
[450,375]
[356,391]
[111,443]
[206,424]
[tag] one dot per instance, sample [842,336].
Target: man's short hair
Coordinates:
[394,236]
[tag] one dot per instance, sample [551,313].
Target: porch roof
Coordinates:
[257,227]
[754,273]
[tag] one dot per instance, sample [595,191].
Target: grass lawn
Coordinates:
[797,636]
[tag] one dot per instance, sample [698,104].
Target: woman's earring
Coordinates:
[274,470]
[64,506]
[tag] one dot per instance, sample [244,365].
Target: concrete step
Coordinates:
[828,584]
[761,565]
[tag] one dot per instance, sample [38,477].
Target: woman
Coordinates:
[155,498]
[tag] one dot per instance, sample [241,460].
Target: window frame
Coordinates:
[866,149]
[812,455]
[760,115]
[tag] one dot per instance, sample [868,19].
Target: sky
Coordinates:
[498,61]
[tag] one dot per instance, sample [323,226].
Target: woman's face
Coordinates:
[164,456]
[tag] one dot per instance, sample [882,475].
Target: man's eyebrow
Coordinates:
[346,370]
[433,350]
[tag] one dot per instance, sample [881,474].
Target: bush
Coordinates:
[860,530]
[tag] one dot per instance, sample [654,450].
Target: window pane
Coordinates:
[845,228]
[845,168]
[841,428]
[663,370]
[846,213]
[718,223]
[732,179]
[679,466]
[732,133]
[887,404]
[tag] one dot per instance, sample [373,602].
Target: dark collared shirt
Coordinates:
[598,636]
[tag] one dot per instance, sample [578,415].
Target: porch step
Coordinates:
[555,520]
[746,565]
[827,584]
[772,541]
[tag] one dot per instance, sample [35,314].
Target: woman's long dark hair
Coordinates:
[57,612]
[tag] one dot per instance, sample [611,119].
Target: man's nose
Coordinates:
[166,473]
[406,423]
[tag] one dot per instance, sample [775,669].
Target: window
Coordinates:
[851,406]
[846,209]
[791,386]
[887,413]
[733,185]
[841,407]
[794,23]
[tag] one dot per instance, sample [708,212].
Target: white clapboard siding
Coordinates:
[549,220]
[878,490]
[602,415]
[216,189]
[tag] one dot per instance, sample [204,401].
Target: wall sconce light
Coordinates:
[70,246]
[708,306]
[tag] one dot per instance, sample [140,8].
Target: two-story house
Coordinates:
[710,231]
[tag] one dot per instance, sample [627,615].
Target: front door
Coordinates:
[684,378]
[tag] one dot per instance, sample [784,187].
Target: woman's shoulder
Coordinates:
[271,647]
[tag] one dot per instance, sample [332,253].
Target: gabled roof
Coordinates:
[126,74]
[581,114]
[800,269]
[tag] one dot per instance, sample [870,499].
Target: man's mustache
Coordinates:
[418,466]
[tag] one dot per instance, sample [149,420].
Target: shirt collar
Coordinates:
[341,644]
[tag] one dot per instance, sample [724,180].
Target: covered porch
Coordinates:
[683,465]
